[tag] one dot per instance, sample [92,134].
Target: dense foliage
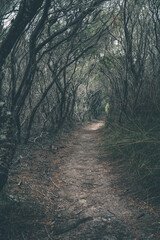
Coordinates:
[45,47]
[63,61]
[131,71]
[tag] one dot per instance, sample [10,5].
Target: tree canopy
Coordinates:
[63,61]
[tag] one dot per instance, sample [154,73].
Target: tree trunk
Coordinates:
[26,12]
[7,143]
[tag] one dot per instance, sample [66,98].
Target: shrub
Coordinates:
[140,149]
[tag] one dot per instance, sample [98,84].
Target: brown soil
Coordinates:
[71,191]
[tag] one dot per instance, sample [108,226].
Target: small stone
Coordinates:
[14,199]
[20,183]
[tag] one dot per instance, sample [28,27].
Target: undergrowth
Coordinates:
[140,147]
[18,219]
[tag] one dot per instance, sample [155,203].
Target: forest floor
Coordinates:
[71,191]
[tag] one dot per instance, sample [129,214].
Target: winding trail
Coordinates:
[87,206]
[69,193]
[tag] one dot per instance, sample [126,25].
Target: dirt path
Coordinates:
[70,195]
[88,207]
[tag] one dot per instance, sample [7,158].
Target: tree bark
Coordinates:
[25,14]
[27,11]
